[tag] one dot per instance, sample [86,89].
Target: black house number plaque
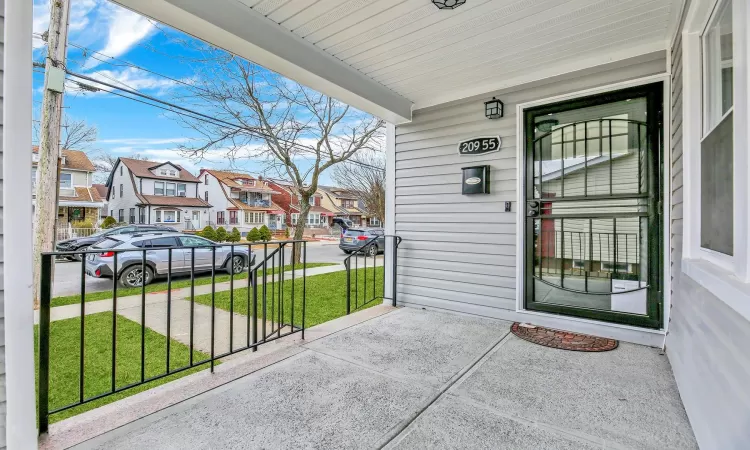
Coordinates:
[479,145]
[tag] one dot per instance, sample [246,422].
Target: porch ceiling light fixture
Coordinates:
[493,109]
[448,4]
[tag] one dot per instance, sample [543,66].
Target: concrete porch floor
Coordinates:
[423,379]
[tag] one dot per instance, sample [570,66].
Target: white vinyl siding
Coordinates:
[459,252]
[2,262]
[707,340]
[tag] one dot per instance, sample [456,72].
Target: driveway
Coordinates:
[413,379]
[68,274]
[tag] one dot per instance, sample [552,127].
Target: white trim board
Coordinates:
[573,323]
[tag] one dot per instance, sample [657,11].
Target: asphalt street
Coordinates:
[68,274]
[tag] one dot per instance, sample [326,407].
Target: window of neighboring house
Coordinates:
[181,189]
[205,179]
[205,194]
[163,172]
[112,213]
[347,203]
[313,219]
[132,215]
[158,188]
[33,177]
[121,215]
[220,217]
[295,218]
[178,215]
[316,201]
[171,189]
[158,216]
[35,157]
[233,217]
[172,173]
[121,190]
[717,145]
[141,214]
[120,170]
[66,181]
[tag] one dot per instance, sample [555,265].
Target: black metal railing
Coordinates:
[265,300]
[361,284]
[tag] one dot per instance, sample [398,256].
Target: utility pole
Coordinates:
[47,186]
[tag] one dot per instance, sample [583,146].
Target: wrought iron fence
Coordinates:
[265,300]
[362,285]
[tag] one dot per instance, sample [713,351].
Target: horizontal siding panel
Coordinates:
[479,127]
[415,300]
[493,268]
[506,156]
[477,208]
[468,293]
[477,281]
[447,199]
[455,177]
[458,237]
[462,247]
[451,217]
[420,257]
[455,228]
[452,188]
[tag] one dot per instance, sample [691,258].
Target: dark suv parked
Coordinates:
[83,243]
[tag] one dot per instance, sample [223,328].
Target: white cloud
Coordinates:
[80,17]
[129,78]
[145,141]
[126,29]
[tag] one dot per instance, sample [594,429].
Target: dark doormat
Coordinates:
[564,340]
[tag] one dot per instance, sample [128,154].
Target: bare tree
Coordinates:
[105,162]
[75,134]
[257,114]
[364,175]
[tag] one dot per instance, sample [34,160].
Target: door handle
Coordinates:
[532,208]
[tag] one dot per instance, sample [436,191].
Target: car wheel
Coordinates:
[372,250]
[236,265]
[348,252]
[133,276]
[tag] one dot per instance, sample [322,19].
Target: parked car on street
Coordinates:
[83,243]
[130,271]
[354,239]
[342,222]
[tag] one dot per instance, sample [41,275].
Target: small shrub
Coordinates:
[286,232]
[234,236]
[109,222]
[265,233]
[253,235]
[82,224]
[208,233]
[221,234]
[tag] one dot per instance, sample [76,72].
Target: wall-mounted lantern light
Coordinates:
[448,4]
[493,109]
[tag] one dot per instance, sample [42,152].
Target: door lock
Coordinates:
[532,208]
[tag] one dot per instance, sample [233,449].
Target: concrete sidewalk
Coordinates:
[422,379]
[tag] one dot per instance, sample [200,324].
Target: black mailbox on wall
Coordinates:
[476,180]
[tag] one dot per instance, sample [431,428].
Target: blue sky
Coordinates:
[125,127]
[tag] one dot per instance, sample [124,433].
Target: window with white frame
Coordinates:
[66,181]
[158,188]
[295,218]
[313,219]
[255,217]
[171,190]
[717,144]
[181,189]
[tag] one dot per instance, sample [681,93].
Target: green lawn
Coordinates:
[64,360]
[181,282]
[326,296]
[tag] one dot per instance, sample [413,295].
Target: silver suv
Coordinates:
[129,264]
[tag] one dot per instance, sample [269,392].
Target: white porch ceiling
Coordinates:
[429,56]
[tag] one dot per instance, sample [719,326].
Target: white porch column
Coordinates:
[20,417]
[390,208]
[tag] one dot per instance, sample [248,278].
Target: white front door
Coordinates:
[196,219]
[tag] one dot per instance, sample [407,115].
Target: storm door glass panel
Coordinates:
[592,207]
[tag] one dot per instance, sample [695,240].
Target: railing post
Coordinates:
[44,332]
[347,264]
[395,264]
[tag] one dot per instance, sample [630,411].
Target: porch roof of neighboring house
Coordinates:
[393,56]
[84,197]
[315,209]
[73,160]
[230,179]
[237,204]
[164,200]
[142,168]
[553,169]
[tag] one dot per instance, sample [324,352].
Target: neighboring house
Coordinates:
[344,203]
[155,193]
[239,200]
[102,191]
[78,200]
[288,199]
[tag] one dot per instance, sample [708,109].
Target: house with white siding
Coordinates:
[576,165]
[238,200]
[161,193]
